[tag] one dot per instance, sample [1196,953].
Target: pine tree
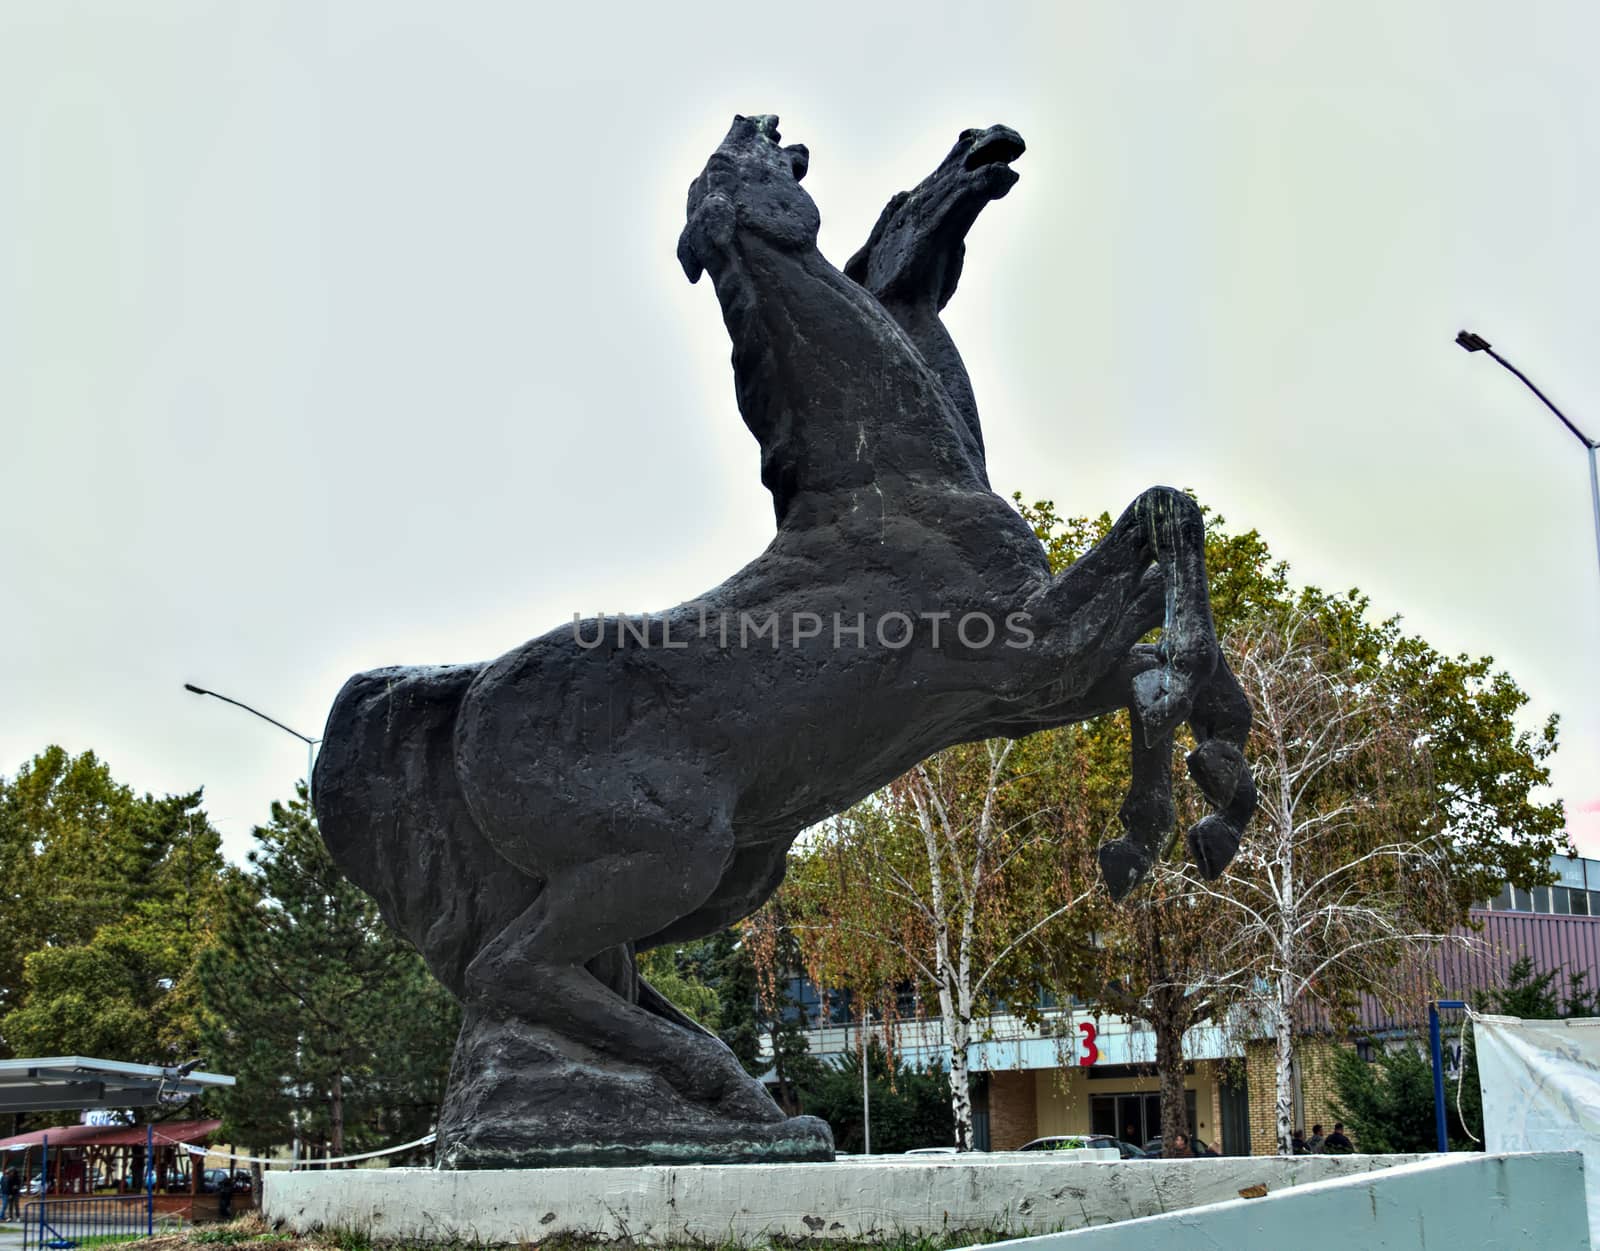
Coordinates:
[332,1026]
[110,899]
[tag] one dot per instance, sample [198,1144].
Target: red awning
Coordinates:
[166,1134]
[59,1135]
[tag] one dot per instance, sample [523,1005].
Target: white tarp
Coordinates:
[1541,1091]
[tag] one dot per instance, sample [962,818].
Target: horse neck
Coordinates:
[837,396]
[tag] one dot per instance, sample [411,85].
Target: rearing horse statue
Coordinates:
[532,822]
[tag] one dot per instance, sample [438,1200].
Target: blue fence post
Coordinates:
[1436,1048]
[149,1181]
[44,1182]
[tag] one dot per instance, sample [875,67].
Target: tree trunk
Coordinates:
[961,1089]
[786,1098]
[1168,1029]
[336,1114]
[1284,1028]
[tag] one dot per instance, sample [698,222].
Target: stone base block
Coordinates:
[852,1197]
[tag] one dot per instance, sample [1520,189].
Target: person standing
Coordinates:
[10,1188]
[1337,1143]
[1314,1143]
[1180,1149]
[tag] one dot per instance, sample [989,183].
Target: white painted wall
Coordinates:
[859,1197]
[1464,1202]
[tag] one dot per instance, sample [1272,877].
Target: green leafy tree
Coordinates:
[909,1106]
[1397,788]
[112,971]
[769,953]
[1386,1104]
[672,971]
[332,1026]
[1487,770]
[73,858]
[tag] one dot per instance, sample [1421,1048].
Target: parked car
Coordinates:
[1153,1147]
[1077,1142]
[931,1151]
[214,1180]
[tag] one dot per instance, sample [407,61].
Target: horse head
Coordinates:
[915,251]
[750,183]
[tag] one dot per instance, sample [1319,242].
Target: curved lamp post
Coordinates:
[1477,343]
[311,743]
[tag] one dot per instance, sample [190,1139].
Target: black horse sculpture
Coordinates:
[532,822]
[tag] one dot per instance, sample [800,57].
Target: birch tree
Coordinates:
[1164,965]
[952,882]
[1345,882]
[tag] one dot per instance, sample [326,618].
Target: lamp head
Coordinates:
[1470,342]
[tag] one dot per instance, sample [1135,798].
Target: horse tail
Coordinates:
[392,814]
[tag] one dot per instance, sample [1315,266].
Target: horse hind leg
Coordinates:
[1220,720]
[1146,814]
[1108,599]
[567,962]
[1221,724]
[1175,534]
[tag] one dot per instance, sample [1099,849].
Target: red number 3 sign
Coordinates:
[1091,1053]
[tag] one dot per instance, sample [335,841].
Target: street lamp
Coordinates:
[1470,342]
[311,743]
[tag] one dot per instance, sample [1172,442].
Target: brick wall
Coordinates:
[1258,1069]
[1317,1092]
[1013,1112]
[1314,1058]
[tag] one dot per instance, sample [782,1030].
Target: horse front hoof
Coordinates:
[1123,865]
[1213,842]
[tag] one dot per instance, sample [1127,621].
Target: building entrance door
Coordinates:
[1235,1114]
[1134,1118]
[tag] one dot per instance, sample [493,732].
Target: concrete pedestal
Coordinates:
[855,1197]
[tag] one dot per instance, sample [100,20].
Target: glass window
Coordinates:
[1580,902]
[1541,899]
[1559,901]
[1568,870]
[1594,903]
[1521,900]
[1502,901]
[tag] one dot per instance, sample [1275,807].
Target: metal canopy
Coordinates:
[68,1083]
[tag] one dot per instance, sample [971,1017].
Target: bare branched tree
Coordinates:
[1344,884]
[949,879]
[1162,965]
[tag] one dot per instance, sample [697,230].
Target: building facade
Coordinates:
[1087,1071]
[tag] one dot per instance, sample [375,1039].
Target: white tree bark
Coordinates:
[1303,886]
[1283,1023]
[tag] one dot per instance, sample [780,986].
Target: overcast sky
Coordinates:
[334,337]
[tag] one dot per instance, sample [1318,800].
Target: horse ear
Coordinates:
[686,257]
[799,160]
[710,228]
[855,268]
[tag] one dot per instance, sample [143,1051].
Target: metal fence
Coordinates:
[59,1222]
